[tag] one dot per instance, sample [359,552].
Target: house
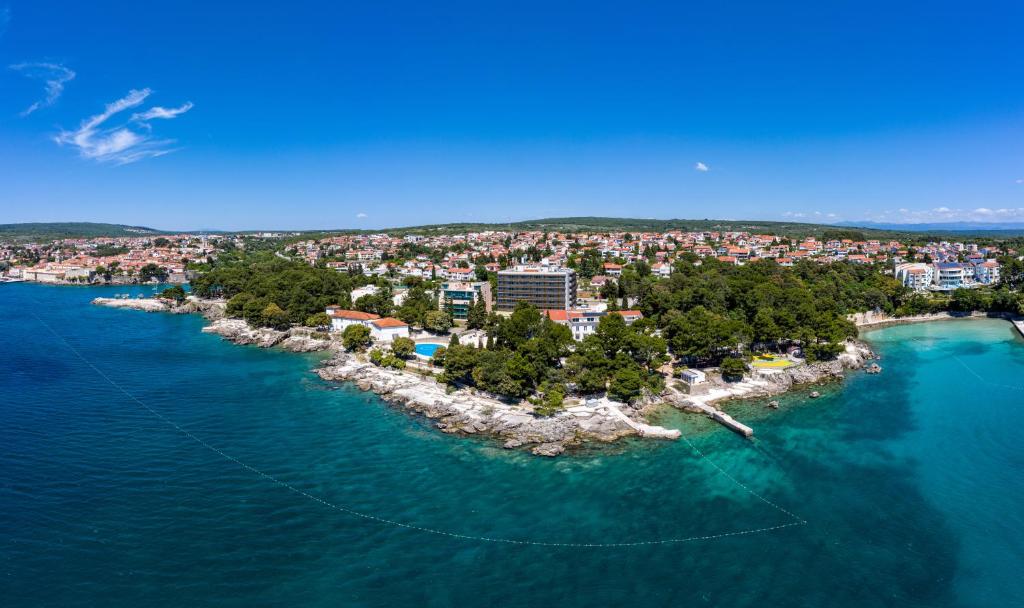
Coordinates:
[458,274]
[661,269]
[388,328]
[582,323]
[340,319]
[612,270]
[365,290]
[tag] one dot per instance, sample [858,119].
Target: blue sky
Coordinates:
[372,114]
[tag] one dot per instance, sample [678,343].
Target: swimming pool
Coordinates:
[427,350]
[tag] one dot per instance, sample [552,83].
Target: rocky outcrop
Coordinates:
[296,339]
[305,340]
[211,309]
[240,332]
[471,413]
[143,304]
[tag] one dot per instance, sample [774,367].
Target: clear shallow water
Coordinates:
[909,482]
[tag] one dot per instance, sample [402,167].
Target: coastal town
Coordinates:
[546,339]
[467,257]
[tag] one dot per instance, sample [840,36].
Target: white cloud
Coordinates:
[53,74]
[701,167]
[1019,181]
[361,215]
[160,112]
[120,144]
[5,18]
[947,214]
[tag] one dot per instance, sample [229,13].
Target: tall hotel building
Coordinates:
[545,288]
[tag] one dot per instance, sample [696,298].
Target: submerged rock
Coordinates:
[548,449]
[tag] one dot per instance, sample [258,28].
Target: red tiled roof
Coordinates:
[557,315]
[389,322]
[353,315]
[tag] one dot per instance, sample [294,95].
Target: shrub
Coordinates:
[356,337]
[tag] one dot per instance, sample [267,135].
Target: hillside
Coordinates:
[62,230]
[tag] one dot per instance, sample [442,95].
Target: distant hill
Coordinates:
[986,228]
[67,230]
[616,224]
[851,230]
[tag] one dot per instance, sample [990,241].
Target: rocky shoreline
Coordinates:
[771,382]
[473,413]
[295,339]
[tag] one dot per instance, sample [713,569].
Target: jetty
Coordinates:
[724,419]
[703,403]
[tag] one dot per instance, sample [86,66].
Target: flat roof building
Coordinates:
[545,288]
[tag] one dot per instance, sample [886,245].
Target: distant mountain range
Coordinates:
[850,229]
[974,227]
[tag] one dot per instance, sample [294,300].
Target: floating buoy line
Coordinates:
[794,519]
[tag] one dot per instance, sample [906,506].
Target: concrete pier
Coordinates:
[731,423]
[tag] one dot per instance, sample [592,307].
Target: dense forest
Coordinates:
[269,291]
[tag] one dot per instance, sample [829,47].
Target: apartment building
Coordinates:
[545,288]
[916,276]
[460,295]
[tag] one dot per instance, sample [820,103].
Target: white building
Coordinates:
[987,272]
[340,319]
[582,323]
[916,276]
[388,328]
[365,290]
[692,376]
[951,275]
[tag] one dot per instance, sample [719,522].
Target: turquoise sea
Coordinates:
[228,476]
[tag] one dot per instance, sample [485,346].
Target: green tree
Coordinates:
[152,272]
[319,320]
[477,316]
[437,321]
[626,384]
[274,316]
[175,293]
[733,368]
[403,347]
[356,337]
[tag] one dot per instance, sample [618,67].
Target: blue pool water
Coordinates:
[427,350]
[909,483]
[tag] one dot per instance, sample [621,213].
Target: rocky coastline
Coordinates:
[771,382]
[472,413]
[295,339]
